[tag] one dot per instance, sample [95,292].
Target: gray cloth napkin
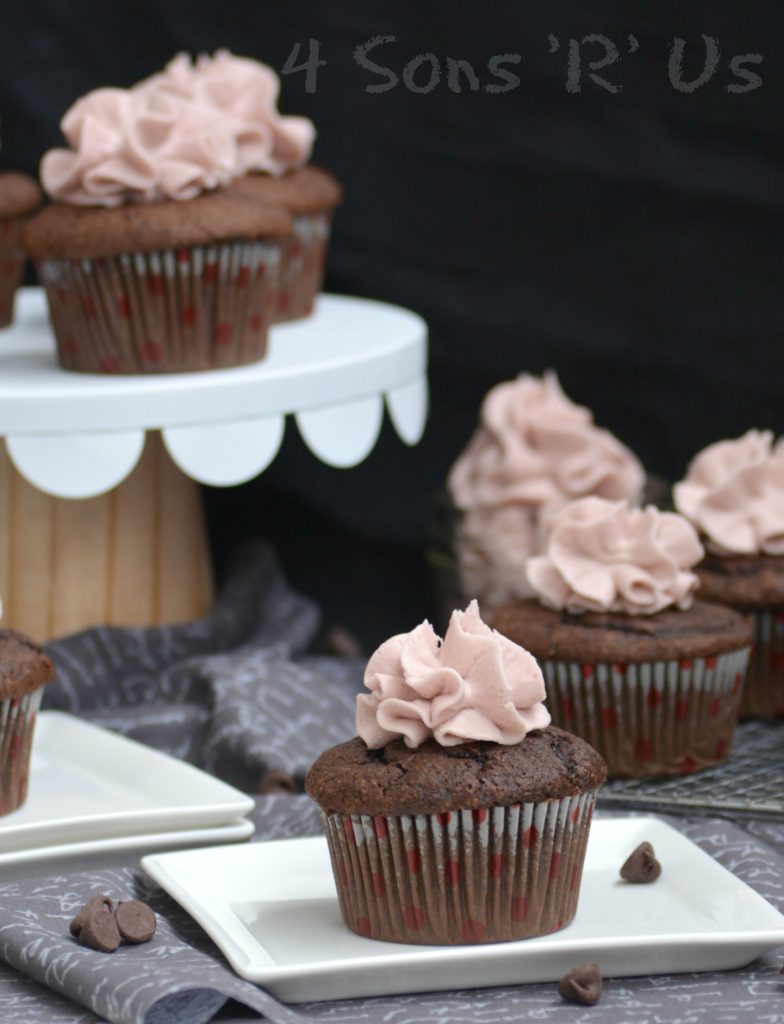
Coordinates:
[231,692]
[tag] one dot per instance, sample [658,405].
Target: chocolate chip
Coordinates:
[583,985]
[277,782]
[99,931]
[91,905]
[135,921]
[641,865]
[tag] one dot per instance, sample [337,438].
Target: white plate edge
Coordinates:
[218,922]
[217,836]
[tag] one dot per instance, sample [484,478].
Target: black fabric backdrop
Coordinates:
[620,230]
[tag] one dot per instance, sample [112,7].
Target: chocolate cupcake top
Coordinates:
[393,780]
[65,231]
[743,581]
[23,665]
[19,194]
[615,584]
[701,631]
[452,724]
[305,190]
[148,168]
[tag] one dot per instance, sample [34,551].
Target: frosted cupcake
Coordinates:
[24,671]
[149,263]
[458,815]
[274,155]
[733,493]
[533,451]
[632,663]
[20,196]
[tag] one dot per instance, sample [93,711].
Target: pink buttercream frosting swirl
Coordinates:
[473,685]
[187,130]
[604,556]
[493,547]
[733,492]
[533,451]
[244,93]
[534,446]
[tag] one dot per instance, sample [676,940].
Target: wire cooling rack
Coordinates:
[750,783]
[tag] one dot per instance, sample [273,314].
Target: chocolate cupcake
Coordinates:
[170,287]
[733,493]
[310,195]
[273,151]
[631,662]
[458,815]
[24,671]
[20,196]
[533,451]
[149,264]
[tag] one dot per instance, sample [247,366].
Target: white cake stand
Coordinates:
[132,549]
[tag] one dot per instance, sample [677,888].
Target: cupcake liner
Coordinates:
[17,722]
[302,264]
[461,877]
[197,308]
[11,266]
[763,694]
[652,718]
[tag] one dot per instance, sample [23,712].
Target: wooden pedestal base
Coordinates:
[136,556]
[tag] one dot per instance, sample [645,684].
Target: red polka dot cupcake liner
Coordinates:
[303,258]
[17,723]
[12,262]
[763,694]
[651,718]
[461,877]
[196,308]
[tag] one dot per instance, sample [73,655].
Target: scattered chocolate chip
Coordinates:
[100,925]
[277,782]
[343,643]
[641,865]
[583,985]
[99,930]
[90,906]
[135,921]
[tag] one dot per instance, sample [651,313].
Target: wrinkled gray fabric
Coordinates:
[231,692]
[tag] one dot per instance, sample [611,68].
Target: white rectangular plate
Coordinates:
[88,785]
[272,909]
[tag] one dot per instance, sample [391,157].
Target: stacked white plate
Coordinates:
[94,792]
